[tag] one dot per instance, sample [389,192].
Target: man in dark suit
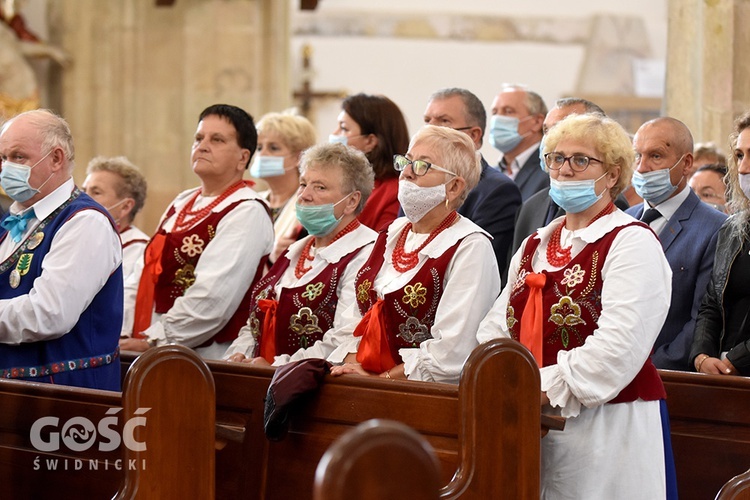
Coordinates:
[686,227]
[516,130]
[493,204]
[539,210]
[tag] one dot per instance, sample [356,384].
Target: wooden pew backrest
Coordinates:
[710,428]
[172,389]
[378,459]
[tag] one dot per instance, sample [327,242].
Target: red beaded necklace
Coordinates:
[300,269]
[404,261]
[187,217]
[558,256]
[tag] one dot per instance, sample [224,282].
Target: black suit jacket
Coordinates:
[493,205]
[531,178]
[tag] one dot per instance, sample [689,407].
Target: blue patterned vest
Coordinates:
[86,356]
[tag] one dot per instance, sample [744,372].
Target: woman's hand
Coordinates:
[259,361]
[131,344]
[350,368]
[237,357]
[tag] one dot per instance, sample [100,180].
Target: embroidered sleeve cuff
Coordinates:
[155,335]
[558,392]
[338,355]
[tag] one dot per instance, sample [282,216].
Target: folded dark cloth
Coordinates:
[288,385]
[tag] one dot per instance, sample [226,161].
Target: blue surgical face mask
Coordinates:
[14,179]
[504,134]
[575,196]
[267,166]
[542,163]
[341,139]
[655,186]
[319,220]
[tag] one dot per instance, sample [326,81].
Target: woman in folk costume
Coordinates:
[211,246]
[282,137]
[432,275]
[297,305]
[587,295]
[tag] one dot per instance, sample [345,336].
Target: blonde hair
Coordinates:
[612,143]
[295,131]
[738,201]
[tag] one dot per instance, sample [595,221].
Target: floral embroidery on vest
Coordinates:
[313,290]
[413,331]
[363,291]
[305,325]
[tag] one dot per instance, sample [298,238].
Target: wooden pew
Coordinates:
[357,463]
[171,394]
[496,410]
[737,488]
[710,428]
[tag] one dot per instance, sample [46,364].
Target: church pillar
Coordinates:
[707,69]
[142,74]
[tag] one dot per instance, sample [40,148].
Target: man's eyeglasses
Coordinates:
[578,163]
[419,167]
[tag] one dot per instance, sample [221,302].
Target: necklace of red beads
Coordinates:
[306,255]
[403,260]
[187,217]
[559,256]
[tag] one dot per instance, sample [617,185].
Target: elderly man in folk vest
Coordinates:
[60,264]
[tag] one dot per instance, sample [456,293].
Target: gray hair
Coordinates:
[53,130]
[132,182]
[357,172]
[534,102]
[474,112]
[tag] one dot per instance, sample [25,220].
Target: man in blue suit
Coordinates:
[687,229]
[493,204]
[516,131]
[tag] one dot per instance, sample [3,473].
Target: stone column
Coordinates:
[707,69]
[142,74]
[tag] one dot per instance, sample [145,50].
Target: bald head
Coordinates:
[664,143]
[42,141]
[675,133]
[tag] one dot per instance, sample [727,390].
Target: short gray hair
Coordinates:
[357,171]
[474,112]
[132,182]
[534,102]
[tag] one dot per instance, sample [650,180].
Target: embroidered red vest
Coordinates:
[182,251]
[572,297]
[408,313]
[302,314]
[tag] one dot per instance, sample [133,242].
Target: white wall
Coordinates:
[409,70]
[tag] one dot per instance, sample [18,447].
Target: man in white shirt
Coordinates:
[210,248]
[516,131]
[120,187]
[60,264]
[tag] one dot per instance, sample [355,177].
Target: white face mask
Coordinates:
[109,209]
[745,184]
[417,201]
